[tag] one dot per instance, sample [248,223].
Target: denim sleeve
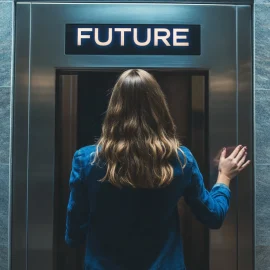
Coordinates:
[210,208]
[78,208]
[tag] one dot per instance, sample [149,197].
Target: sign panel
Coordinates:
[89,39]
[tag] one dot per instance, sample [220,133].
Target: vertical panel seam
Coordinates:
[254,137]
[237,132]
[28,132]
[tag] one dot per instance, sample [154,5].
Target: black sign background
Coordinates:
[89,47]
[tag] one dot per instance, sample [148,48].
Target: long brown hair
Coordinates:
[138,136]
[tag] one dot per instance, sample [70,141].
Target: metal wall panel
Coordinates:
[219,56]
[245,127]
[20,140]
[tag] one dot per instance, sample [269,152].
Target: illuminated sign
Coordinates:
[133,39]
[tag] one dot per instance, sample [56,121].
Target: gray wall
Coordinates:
[262,132]
[262,128]
[6,59]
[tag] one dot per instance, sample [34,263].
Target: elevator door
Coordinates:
[81,101]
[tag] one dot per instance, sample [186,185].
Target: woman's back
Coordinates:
[134,228]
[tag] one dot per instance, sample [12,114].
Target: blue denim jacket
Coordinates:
[131,229]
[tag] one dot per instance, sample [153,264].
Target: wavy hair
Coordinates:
[138,138]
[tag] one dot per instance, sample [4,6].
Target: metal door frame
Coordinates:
[226,51]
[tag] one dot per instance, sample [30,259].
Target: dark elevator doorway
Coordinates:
[81,102]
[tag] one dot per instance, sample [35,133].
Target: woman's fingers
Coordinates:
[223,153]
[235,151]
[242,160]
[244,166]
[240,154]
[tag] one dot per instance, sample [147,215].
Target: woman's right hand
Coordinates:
[231,166]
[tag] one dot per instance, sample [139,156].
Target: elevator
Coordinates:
[62,91]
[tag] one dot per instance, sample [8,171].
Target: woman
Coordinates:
[124,189]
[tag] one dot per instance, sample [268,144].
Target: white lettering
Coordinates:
[163,38]
[122,36]
[139,43]
[80,36]
[105,43]
[176,37]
